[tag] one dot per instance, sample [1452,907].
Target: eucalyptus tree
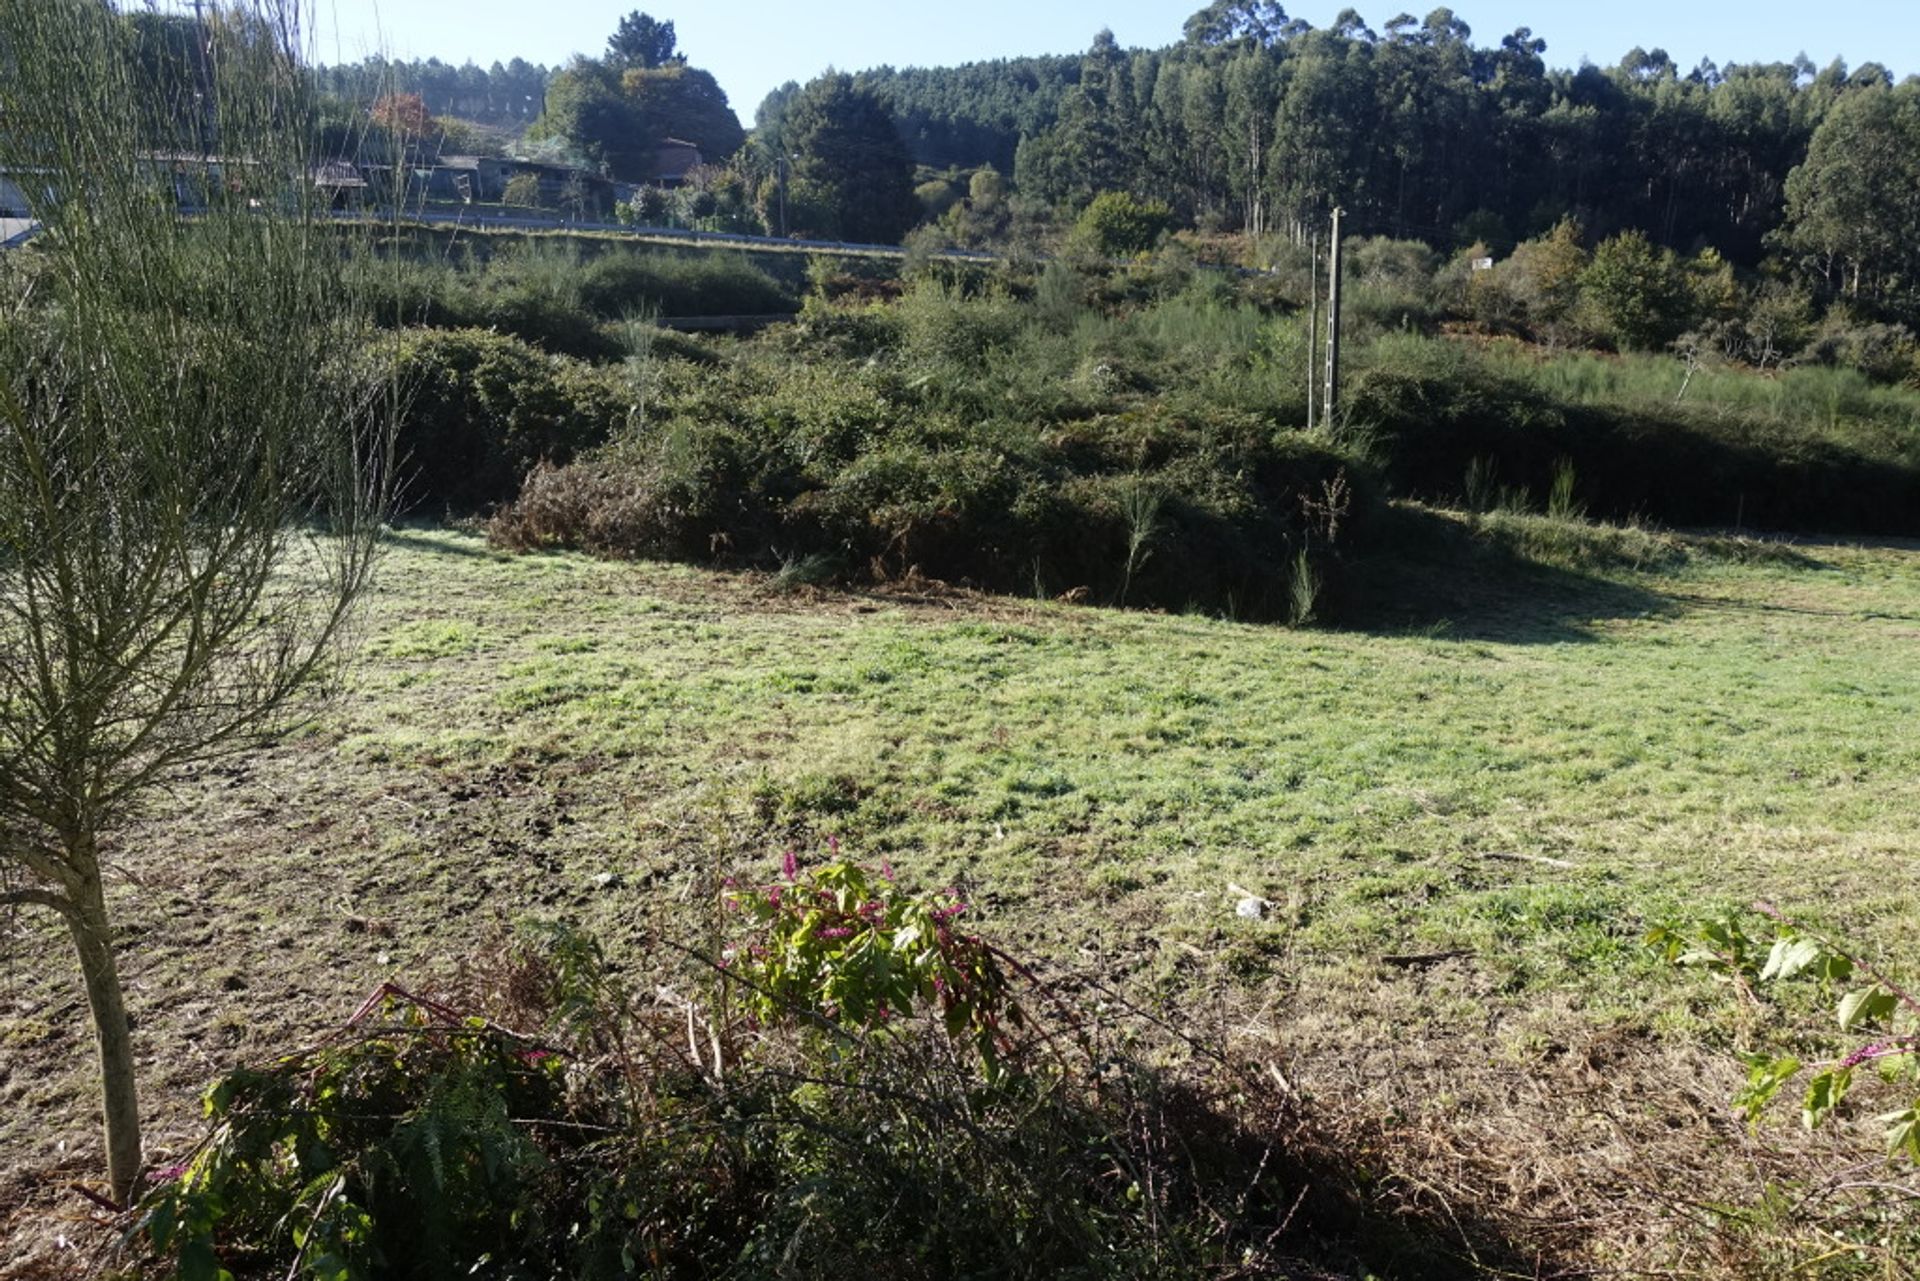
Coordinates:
[192,450]
[1853,205]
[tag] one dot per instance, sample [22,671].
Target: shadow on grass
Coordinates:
[431,537]
[1352,1219]
[1426,571]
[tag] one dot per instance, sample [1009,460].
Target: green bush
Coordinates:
[483,410]
[1116,225]
[910,464]
[534,299]
[1143,452]
[1883,352]
[831,1118]
[620,283]
[563,302]
[1638,295]
[1389,287]
[943,329]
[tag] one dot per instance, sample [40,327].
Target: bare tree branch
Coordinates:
[39,898]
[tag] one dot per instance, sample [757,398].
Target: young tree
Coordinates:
[1545,277]
[1116,224]
[190,466]
[1636,292]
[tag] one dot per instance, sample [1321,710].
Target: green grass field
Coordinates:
[1463,829]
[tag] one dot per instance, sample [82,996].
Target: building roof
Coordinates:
[338,173]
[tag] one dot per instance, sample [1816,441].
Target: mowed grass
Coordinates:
[1530,788]
[1749,734]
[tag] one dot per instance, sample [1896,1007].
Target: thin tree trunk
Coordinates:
[92,938]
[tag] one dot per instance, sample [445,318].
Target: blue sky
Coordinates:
[754,45]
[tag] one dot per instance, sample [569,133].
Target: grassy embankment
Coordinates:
[1518,790]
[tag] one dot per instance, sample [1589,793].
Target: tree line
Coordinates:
[1259,123]
[509,95]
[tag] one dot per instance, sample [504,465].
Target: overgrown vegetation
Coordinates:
[1135,436]
[973,437]
[561,298]
[784,1109]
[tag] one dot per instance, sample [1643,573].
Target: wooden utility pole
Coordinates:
[781,171]
[1330,404]
[210,115]
[1313,326]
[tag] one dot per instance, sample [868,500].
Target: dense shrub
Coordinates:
[1131,436]
[1389,286]
[907,466]
[625,282]
[483,409]
[1116,224]
[1883,352]
[537,301]
[554,298]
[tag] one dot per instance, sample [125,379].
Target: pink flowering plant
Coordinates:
[846,944]
[1881,1016]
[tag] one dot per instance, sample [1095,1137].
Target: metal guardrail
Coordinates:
[670,235]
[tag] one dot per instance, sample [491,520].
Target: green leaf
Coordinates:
[1866,1007]
[1903,1133]
[1790,956]
[1896,1067]
[1765,1076]
[161,1221]
[328,1267]
[1824,1094]
[199,1263]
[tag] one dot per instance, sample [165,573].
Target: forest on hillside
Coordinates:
[1261,124]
